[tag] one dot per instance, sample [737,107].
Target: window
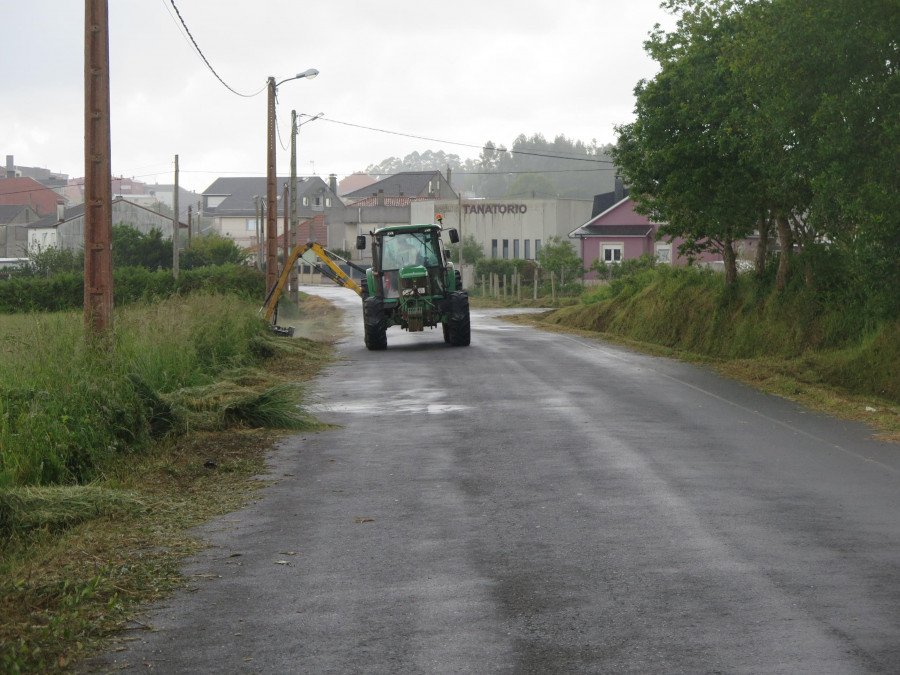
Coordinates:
[527,250]
[612,253]
[516,249]
[328,201]
[537,247]
[663,254]
[493,248]
[306,201]
[506,249]
[251,224]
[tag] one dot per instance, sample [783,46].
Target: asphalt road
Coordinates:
[540,503]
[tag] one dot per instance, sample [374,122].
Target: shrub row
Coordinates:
[65,291]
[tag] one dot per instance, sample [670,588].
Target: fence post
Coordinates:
[553,287]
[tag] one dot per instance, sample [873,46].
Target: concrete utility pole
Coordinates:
[175,229]
[98,279]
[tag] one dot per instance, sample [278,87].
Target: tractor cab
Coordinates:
[413,284]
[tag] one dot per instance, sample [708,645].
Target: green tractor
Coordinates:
[413,284]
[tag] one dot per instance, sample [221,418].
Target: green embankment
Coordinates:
[794,332]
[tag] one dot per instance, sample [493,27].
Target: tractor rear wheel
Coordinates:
[459,326]
[374,324]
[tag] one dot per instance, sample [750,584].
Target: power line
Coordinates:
[206,61]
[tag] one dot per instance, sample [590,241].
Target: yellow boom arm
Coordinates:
[339,276]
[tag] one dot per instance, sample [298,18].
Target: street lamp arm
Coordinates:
[308,74]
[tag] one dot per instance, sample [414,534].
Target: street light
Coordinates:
[272,199]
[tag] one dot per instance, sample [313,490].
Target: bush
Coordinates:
[65,291]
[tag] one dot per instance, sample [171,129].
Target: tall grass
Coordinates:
[694,311]
[66,409]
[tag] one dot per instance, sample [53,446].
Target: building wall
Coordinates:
[70,233]
[515,221]
[13,241]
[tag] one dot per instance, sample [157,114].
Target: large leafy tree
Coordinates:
[781,111]
[825,80]
[683,154]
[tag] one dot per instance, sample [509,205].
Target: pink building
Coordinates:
[619,233]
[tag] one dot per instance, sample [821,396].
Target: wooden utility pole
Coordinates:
[287,228]
[271,196]
[98,279]
[190,224]
[295,240]
[176,234]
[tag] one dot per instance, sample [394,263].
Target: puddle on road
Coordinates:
[415,402]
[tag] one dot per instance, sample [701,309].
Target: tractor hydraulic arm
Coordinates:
[331,270]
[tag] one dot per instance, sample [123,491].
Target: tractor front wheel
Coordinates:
[374,324]
[458,328]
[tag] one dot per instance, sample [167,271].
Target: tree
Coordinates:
[50,260]
[534,185]
[212,249]
[557,255]
[683,154]
[133,248]
[471,249]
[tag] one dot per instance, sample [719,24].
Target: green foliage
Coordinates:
[745,122]
[500,266]
[557,255]
[694,311]
[130,284]
[532,186]
[46,262]
[209,250]
[66,410]
[471,249]
[132,248]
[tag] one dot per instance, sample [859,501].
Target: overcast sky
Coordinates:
[461,73]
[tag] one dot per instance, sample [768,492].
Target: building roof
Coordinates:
[613,231]
[354,182]
[9,212]
[619,220]
[240,191]
[28,192]
[77,211]
[406,183]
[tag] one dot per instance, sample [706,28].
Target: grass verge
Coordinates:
[77,560]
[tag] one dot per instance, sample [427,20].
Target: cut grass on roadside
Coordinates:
[76,561]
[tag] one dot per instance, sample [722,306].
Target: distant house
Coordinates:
[619,233]
[232,205]
[66,229]
[422,184]
[14,221]
[28,192]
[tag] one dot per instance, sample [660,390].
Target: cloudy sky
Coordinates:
[455,73]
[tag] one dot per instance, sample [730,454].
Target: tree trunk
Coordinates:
[730,261]
[762,250]
[786,239]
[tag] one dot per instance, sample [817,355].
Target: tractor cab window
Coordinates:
[405,249]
